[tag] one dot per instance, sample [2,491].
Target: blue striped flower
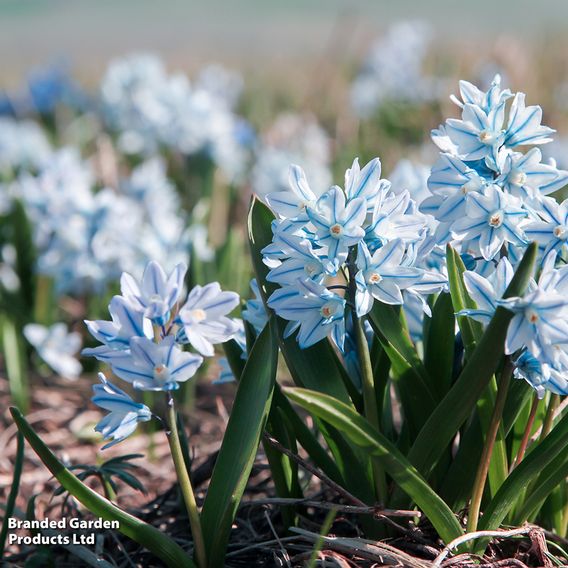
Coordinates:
[540,319]
[551,230]
[292,204]
[523,125]
[301,261]
[254,311]
[478,133]
[225,373]
[126,323]
[57,346]
[365,183]
[526,177]
[315,310]
[492,219]
[451,181]
[157,294]
[487,100]
[124,413]
[204,317]
[382,276]
[486,292]
[394,217]
[154,366]
[338,224]
[541,376]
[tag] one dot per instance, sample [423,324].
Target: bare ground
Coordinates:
[62,414]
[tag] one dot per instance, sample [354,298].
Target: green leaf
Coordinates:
[26,253]
[457,405]
[240,444]
[471,330]
[360,432]
[15,362]
[11,501]
[233,352]
[144,534]
[387,320]
[306,438]
[440,344]
[537,461]
[518,398]
[316,367]
[549,479]
[284,470]
[260,235]
[409,375]
[456,485]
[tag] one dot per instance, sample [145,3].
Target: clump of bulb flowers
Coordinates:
[110,198]
[402,307]
[367,241]
[145,343]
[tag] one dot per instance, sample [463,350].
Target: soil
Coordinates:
[63,416]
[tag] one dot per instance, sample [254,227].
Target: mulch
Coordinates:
[63,416]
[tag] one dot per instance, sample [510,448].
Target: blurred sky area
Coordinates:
[248,33]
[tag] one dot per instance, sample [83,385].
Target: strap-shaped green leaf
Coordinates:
[306,438]
[409,375]
[458,404]
[233,352]
[360,432]
[14,488]
[537,461]
[240,444]
[144,534]
[15,362]
[471,330]
[549,479]
[316,367]
[440,344]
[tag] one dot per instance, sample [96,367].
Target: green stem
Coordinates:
[185,485]
[11,501]
[485,461]
[368,381]
[107,488]
[549,417]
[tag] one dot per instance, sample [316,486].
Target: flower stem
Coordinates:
[527,433]
[185,485]
[549,417]
[369,399]
[367,378]
[485,461]
[107,488]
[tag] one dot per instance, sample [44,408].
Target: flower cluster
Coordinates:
[291,139]
[75,225]
[57,346]
[488,196]
[144,342]
[45,89]
[23,146]
[491,195]
[393,69]
[344,249]
[150,109]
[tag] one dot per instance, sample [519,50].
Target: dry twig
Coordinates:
[475,535]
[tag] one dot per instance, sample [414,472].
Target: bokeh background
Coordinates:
[139,129]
